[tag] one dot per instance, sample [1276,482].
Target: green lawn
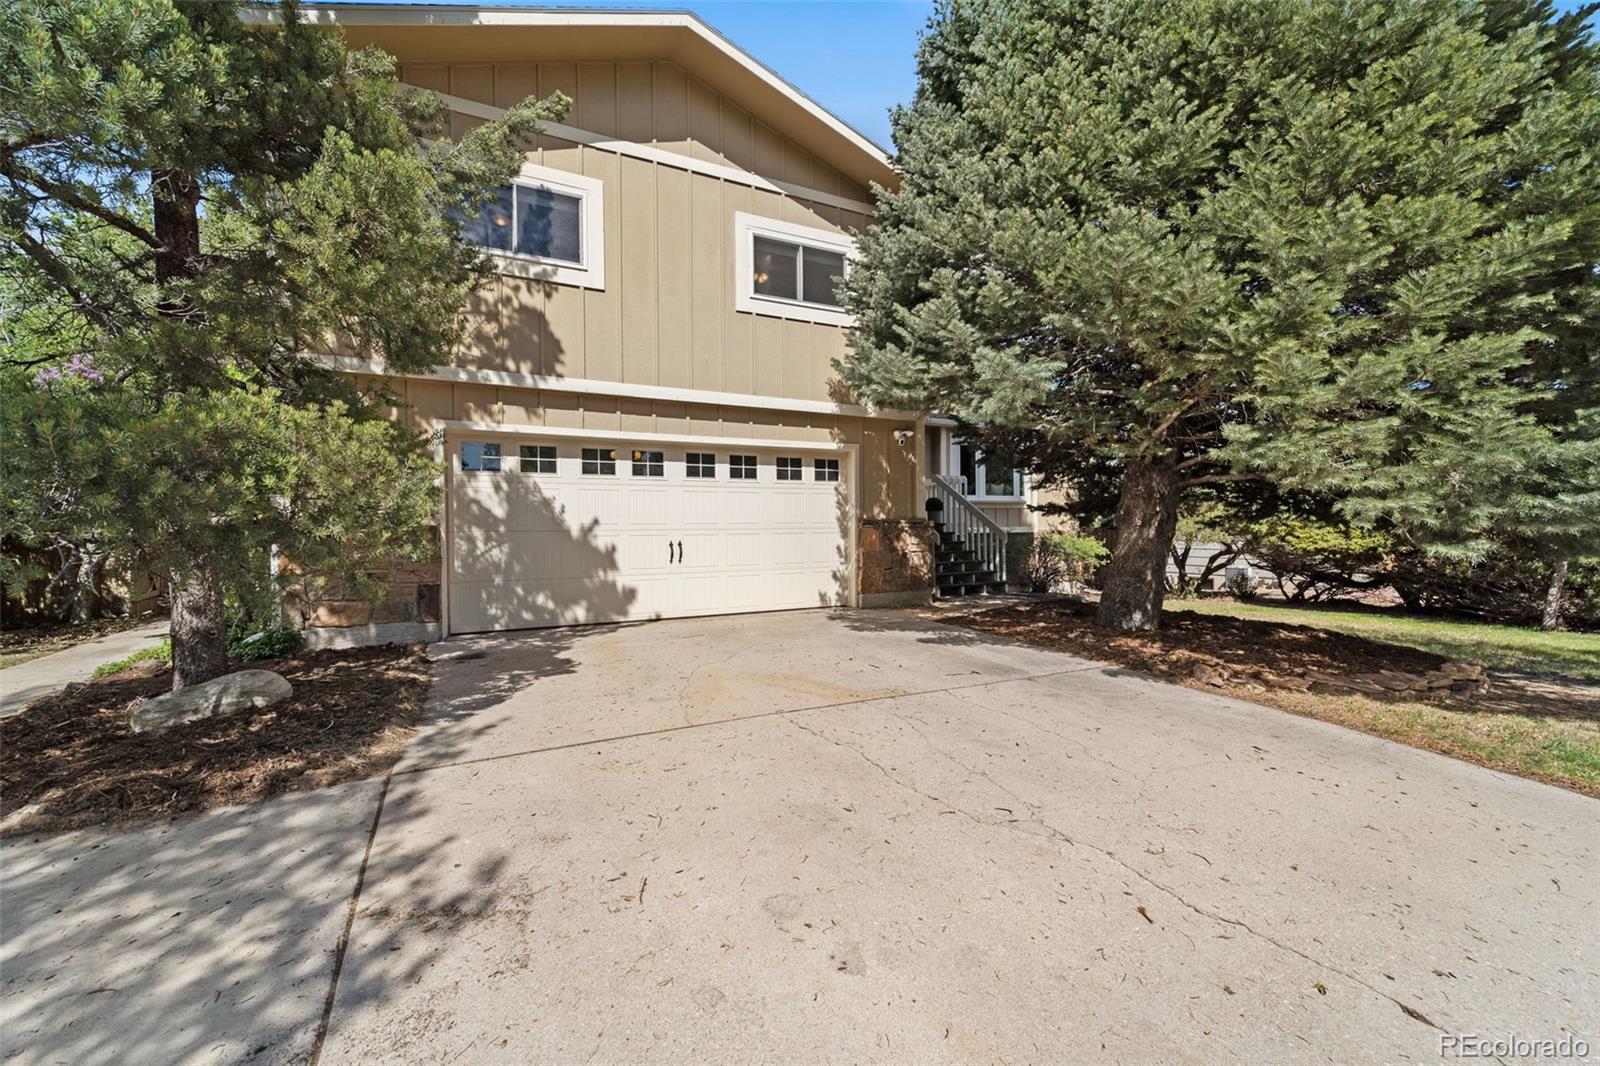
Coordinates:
[1496,647]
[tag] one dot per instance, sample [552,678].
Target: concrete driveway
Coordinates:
[866,837]
[815,836]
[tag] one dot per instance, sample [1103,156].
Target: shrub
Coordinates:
[1056,558]
[268,643]
[1315,560]
[1240,587]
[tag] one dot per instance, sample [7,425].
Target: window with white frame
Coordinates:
[599,461]
[986,478]
[538,458]
[790,469]
[825,469]
[742,467]
[649,464]
[700,464]
[545,225]
[477,455]
[790,271]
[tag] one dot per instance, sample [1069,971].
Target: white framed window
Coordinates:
[601,461]
[986,480]
[790,271]
[825,469]
[547,225]
[537,458]
[742,467]
[649,464]
[700,464]
[480,456]
[790,469]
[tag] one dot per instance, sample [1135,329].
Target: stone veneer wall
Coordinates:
[895,561]
[409,609]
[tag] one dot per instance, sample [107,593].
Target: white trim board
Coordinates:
[622,436]
[562,132]
[590,386]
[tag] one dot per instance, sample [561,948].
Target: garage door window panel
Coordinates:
[649,464]
[600,462]
[537,458]
[480,456]
[742,467]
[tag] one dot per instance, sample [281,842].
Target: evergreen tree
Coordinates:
[203,203]
[1345,247]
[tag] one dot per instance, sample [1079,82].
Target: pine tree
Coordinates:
[210,202]
[1347,249]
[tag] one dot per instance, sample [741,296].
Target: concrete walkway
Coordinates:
[817,837]
[28,681]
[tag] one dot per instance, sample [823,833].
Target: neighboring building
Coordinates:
[644,421]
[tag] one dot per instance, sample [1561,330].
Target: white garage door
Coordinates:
[555,532]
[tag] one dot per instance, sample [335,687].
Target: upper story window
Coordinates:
[797,272]
[790,271]
[546,225]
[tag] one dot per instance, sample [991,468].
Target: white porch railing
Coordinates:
[982,534]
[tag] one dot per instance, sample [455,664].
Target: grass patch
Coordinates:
[1492,646]
[1541,727]
[161,652]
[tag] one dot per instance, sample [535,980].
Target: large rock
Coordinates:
[228,694]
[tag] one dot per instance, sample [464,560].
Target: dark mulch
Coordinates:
[1187,640]
[74,755]
[1547,729]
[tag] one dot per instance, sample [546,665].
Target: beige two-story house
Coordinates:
[644,421]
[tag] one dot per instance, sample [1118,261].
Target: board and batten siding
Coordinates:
[667,314]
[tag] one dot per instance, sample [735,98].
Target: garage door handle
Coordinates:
[669,551]
[680,551]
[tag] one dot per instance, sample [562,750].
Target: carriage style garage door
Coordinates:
[554,532]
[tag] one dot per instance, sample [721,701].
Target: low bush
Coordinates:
[1057,558]
[271,643]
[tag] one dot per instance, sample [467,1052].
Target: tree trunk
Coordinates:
[86,603]
[1552,598]
[199,637]
[176,214]
[1147,518]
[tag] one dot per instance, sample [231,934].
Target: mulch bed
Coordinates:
[1258,652]
[1270,662]
[73,755]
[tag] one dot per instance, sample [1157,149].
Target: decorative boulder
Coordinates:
[228,694]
